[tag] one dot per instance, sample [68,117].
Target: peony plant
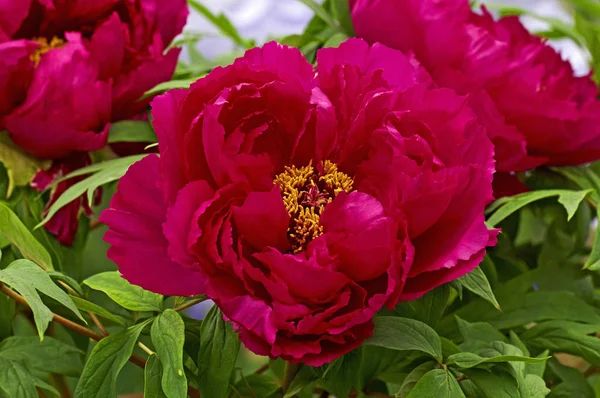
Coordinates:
[400,201]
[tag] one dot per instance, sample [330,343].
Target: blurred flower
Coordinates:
[302,205]
[541,113]
[70,67]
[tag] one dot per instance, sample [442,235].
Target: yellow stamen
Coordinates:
[334,179]
[305,193]
[45,46]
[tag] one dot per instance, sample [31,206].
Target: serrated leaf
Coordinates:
[437,383]
[219,348]
[477,282]
[168,336]
[99,377]
[467,360]
[16,232]
[20,166]
[48,355]
[405,334]
[153,373]
[88,306]
[131,131]
[27,278]
[569,199]
[128,296]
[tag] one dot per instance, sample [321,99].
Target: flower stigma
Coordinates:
[306,192]
[45,46]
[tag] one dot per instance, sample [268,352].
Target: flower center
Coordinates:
[45,46]
[305,193]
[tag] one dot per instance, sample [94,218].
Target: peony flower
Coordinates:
[540,112]
[301,203]
[70,68]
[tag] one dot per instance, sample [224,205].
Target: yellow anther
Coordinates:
[45,46]
[305,193]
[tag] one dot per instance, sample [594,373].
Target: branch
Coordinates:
[136,359]
[189,304]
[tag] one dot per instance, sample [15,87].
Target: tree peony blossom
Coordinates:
[69,68]
[535,109]
[302,203]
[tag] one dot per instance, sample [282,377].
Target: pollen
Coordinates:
[45,46]
[306,192]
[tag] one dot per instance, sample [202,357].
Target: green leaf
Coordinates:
[8,310]
[173,84]
[88,306]
[153,373]
[429,308]
[437,383]
[99,377]
[168,336]
[128,296]
[477,335]
[43,356]
[405,334]
[563,337]
[335,40]
[593,262]
[27,279]
[413,377]
[109,173]
[20,166]
[219,348]
[341,10]
[342,374]
[320,12]
[17,382]
[467,360]
[222,23]
[254,385]
[533,387]
[304,378]
[131,131]
[59,276]
[569,199]
[123,163]
[494,384]
[477,282]
[574,381]
[14,230]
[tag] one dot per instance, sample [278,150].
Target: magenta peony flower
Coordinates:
[544,115]
[68,68]
[302,203]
